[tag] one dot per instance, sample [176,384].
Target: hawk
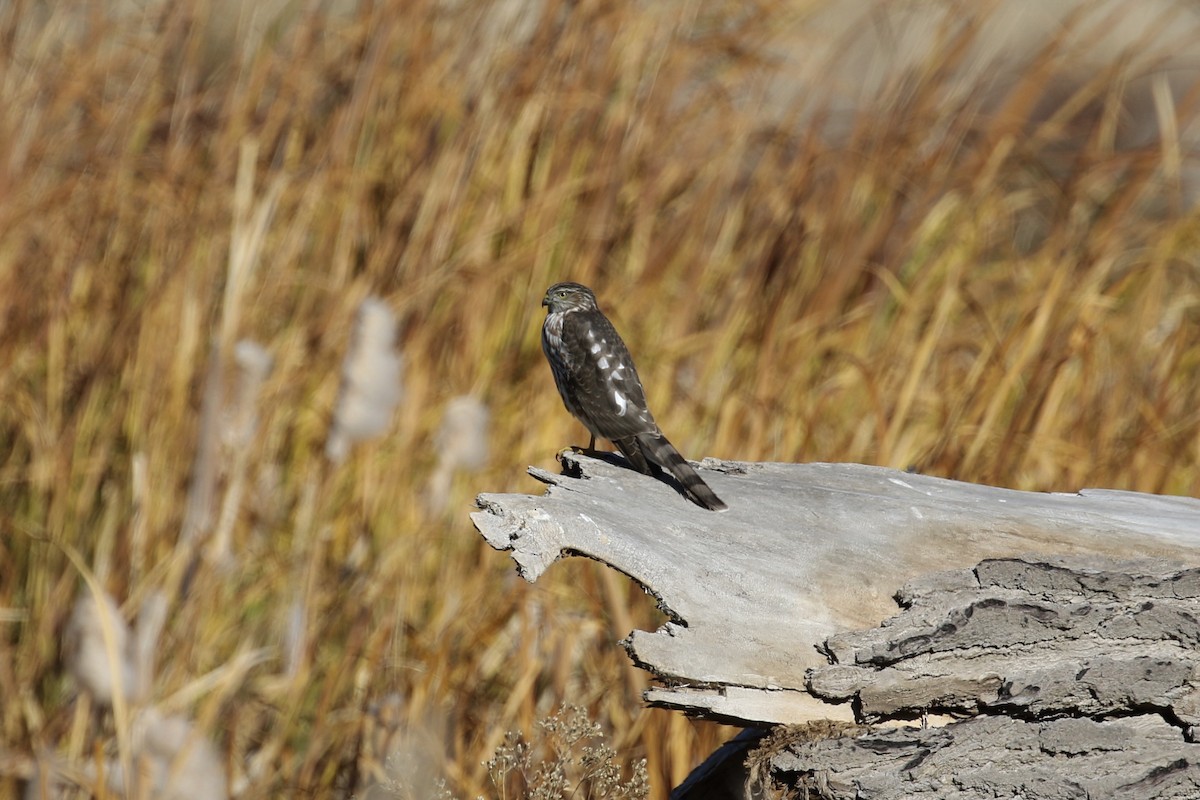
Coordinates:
[600,387]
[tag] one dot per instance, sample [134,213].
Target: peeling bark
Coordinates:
[992,756]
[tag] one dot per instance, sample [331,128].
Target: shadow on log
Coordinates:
[1055,634]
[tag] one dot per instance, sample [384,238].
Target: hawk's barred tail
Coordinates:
[663,453]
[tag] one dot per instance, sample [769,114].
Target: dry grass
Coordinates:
[996,294]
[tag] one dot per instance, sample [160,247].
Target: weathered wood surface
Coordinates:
[806,552]
[1029,637]
[1133,758]
[1080,677]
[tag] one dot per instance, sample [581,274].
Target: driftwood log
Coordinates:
[1052,639]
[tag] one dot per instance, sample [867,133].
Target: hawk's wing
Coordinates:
[606,385]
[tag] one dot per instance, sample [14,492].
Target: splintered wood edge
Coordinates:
[742,705]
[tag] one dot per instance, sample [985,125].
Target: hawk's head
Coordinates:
[569,297]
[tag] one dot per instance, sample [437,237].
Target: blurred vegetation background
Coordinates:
[957,237]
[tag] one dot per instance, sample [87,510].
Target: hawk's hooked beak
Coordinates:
[546,301]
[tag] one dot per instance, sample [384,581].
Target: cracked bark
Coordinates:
[1023,620]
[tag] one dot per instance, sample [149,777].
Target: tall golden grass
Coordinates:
[995,293]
